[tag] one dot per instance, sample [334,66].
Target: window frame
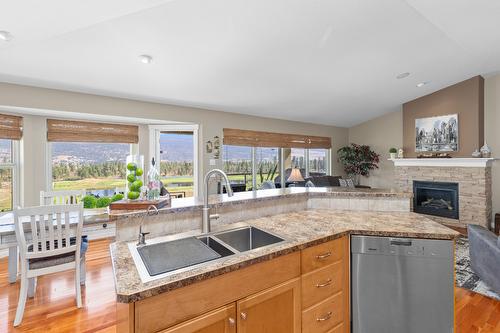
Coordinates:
[154,146]
[282,168]
[15,166]
[133,149]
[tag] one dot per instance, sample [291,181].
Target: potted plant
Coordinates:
[394,153]
[358,160]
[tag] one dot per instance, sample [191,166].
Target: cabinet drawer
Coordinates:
[323,316]
[322,255]
[337,329]
[322,283]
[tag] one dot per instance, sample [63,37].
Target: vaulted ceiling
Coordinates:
[322,61]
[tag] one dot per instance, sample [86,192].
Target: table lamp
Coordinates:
[295,176]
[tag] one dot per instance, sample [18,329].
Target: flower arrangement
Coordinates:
[358,160]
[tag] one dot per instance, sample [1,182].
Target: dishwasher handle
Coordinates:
[401,242]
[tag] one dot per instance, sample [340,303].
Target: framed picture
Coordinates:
[437,134]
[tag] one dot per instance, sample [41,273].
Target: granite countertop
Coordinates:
[194,203]
[300,230]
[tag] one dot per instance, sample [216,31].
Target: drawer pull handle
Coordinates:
[324,255]
[324,284]
[231,321]
[243,315]
[325,317]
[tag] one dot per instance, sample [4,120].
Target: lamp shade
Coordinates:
[295,176]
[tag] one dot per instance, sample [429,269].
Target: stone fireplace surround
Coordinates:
[472,174]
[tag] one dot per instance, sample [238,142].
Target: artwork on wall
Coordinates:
[437,134]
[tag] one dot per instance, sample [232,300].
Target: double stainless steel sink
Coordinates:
[186,252]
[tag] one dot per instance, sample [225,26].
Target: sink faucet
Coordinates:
[152,210]
[205,226]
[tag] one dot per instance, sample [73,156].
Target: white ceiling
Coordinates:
[321,61]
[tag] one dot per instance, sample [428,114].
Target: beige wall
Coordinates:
[211,124]
[380,134]
[466,99]
[385,131]
[492,131]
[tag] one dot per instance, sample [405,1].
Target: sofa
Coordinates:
[484,251]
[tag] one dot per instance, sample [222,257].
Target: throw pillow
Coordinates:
[310,184]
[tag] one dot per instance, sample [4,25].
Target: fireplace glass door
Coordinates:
[436,198]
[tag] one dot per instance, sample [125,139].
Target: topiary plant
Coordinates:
[103,202]
[116,197]
[358,160]
[89,201]
[393,151]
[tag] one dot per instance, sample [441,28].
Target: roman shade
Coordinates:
[82,131]
[238,137]
[11,127]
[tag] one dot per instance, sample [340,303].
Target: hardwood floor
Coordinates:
[54,310]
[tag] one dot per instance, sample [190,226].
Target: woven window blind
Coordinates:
[82,131]
[11,127]
[238,137]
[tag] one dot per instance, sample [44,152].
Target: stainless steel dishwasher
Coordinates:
[401,285]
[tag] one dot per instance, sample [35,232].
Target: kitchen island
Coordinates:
[315,252]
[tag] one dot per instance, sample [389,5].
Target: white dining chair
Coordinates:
[46,246]
[70,197]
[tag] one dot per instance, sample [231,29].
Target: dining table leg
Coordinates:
[13,263]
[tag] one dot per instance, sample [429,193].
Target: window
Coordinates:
[238,166]
[8,173]
[176,147]
[318,162]
[267,166]
[294,158]
[176,162]
[96,167]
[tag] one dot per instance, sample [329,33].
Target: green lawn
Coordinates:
[5,198]
[89,184]
[112,183]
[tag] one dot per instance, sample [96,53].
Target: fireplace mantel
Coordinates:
[462,162]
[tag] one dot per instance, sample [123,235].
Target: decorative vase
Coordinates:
[355,179]
[485,151]
[154,182]
[135,176]
[401,153]
[393,156]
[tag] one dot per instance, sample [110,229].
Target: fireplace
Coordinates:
[436,198]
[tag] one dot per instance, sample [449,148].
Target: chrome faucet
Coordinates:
[207,217]
[152,210]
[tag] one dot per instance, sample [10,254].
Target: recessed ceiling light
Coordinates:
[145,59]
[402,75]
[421,84]
[6,36]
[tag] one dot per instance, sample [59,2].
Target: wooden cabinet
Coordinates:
[277,309]
[323,254]
[156,313]
[325,287]
[306,291]
[322,283]
[324,315]
[222,320]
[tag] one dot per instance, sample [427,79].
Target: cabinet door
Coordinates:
[222,320]
[274,310]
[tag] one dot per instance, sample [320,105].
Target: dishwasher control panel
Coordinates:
[400,246]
